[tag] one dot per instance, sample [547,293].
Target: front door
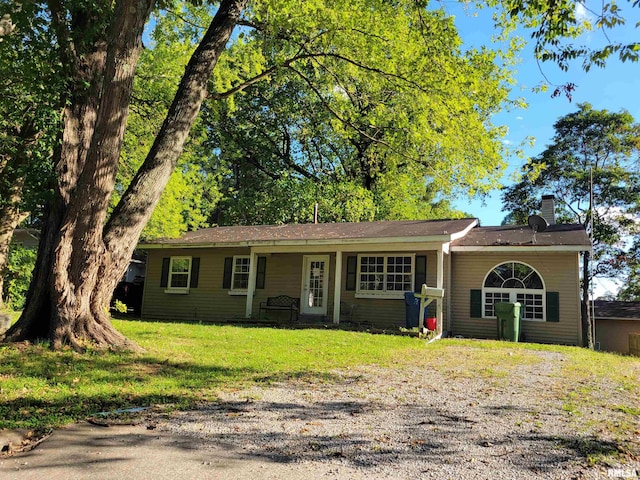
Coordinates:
[315,284]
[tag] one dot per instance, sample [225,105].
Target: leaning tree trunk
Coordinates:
[86,256]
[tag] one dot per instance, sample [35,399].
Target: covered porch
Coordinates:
[368,279]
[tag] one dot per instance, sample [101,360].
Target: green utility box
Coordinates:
[508,320]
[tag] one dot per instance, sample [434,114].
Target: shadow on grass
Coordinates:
[53,388]
[42,389]
[261,323]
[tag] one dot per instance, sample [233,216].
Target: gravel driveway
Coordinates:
[375,423]
[407,423]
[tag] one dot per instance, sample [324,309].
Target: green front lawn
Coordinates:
[185,364]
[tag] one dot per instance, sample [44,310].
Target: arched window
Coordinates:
[515,282]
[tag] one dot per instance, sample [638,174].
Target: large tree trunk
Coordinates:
[84,258]
[83,59]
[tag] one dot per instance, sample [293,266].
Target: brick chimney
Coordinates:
[548,209]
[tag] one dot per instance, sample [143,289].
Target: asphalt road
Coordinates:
[132,452]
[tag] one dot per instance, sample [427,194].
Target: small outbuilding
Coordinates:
[615,323]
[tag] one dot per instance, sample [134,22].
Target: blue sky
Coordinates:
[613,88]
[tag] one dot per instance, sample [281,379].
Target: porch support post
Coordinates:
[446,292]
[337,288]
[251,288]
[439,284]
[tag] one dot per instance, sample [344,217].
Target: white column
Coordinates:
[337,288]
[439,284]
[447,290]
[253,269]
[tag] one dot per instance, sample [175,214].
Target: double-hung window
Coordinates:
[385,275]
[236,274]
[240,273]
[179,274]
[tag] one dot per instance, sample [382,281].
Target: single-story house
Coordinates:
[225,273]
[614,322]
[26,237]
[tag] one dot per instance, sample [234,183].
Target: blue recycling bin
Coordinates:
[412,309]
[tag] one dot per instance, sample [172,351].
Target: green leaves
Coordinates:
[30,103]
[592,150]
[366,92]
[192,191]
[17,276]
[554,24]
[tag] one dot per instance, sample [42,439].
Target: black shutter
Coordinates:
[475,310]
[195,272]
[228,269]
[421,272]
[553,307]
[164,276]
[352,267]
[261,272]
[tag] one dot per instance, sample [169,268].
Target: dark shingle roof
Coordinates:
[615,309]
[320,232]
[520,236]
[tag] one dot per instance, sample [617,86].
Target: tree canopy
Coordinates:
[556,25]
[592,151]
[193,191]
[396,102]
[388,83]
[29,117]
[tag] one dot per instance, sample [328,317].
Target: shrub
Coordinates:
[17,276]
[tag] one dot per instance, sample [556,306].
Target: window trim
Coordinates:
[239,291]
[513,292]
[384,294]
[178,290]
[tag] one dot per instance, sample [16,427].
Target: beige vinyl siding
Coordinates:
[284,277]
[384,313]
[24,238]
[207,303]
[559,272]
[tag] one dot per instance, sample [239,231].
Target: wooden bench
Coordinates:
[281,302]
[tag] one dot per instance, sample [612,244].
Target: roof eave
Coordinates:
[443,239]
[520,248]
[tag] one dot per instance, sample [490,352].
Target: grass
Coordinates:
[185,364]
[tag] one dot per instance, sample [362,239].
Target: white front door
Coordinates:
[315,284]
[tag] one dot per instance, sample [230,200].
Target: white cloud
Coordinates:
[601,287]
[581,13]
[519,118]
[507,142]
